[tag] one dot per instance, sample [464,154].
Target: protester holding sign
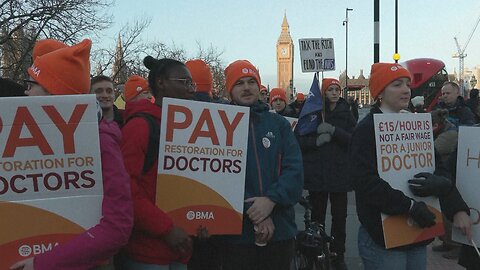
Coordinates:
[66,71]
[156,243]
[273,183]
[389,86]
[325,162]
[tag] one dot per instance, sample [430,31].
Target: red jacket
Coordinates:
[101,242]
[151,223]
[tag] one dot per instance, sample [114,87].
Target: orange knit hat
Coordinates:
[134,86]
[300,97]
[240,69]
[263,88]
[201,75]
[277,93]
[65,71]
[45,46]
[329,81]
[384,73]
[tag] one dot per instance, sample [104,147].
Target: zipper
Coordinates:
[257,159]
[279,164]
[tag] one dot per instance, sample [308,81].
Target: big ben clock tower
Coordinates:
[285,59]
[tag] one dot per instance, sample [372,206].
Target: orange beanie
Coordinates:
[329,81]
[277,93]
[240,69]
[134,86]
[65,71]
[263,88]
[45,46]
[383,74]
[201,75]
[300,97]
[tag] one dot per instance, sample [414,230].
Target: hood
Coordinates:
[142,105]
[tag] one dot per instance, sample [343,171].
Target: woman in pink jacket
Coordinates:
[97,245]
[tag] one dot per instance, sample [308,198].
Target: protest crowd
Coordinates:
[329,154]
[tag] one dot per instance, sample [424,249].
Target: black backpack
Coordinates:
[153,139]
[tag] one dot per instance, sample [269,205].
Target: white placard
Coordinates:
[51,185]
[405,147]
[202,155]
[468,178]
[317,54]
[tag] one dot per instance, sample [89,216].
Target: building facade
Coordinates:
[358,88]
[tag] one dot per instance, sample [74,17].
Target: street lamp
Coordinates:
[396,56]
[473,81]
[345,23]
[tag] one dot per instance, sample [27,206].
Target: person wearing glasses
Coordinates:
[156,242]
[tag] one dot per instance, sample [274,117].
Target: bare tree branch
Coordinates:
[25,21]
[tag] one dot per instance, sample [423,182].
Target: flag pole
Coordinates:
[321,96]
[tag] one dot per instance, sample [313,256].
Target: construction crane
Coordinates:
[461,56]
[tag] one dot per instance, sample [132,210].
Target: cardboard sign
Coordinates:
[293,121]
[468,181]
[317,54]
[51,185]
[201,165]
[404,148]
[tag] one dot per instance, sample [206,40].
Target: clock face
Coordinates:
[284,51]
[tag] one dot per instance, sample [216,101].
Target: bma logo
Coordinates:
[35,249]
[191,215]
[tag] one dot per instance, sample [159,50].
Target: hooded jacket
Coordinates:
[151,223]
[274,169]
[325,166]
[99,243]
[375,196]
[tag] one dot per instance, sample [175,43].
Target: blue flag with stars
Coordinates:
[307,121]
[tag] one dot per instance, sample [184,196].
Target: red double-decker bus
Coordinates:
[428,76]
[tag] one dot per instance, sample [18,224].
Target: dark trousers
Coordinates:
[205,254]
[338,209]
[274,256]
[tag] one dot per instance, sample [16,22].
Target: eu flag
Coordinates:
[307,121]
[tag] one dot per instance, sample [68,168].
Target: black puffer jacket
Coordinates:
[325,167]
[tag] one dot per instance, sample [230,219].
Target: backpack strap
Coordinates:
[153,140]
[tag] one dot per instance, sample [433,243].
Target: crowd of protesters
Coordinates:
[337,157]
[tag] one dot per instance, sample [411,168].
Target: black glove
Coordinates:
[323,139]
[420,213]
[325,128]
[427,184]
